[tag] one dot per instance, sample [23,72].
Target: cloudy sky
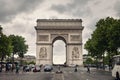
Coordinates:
[19,16]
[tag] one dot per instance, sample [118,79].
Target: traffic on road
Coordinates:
[48,72]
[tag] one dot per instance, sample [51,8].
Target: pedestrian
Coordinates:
[117,76]
[24,68]
[88,69]
[17,68]
[75,68]
[12,67]
[59,67]
[6,68]
[0,68]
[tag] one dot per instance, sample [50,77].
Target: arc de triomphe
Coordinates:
[50,30]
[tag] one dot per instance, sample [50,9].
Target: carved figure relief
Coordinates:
[43,52]
[75,53]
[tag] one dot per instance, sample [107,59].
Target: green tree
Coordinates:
[89,61]
[5,47]
[0,30]
[32,62]
[105,38]
[19,46]
[111,38]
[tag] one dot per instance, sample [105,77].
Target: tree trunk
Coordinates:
[103,63]
[1,62]
[109,61]
[13,62]
[97,62]
[21,61]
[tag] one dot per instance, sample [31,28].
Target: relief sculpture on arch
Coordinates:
[75,53]
[43,53]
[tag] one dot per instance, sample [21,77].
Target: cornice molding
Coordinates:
[59,20]
[59,24]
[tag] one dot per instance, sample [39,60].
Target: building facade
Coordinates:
[50,30]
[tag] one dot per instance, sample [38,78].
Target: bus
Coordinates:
[116,66]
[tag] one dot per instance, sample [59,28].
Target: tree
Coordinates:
[5,47]
[0,30]
[105,38]
[89,61]
[111,37]
[19,46]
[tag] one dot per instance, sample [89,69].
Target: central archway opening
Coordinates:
[59,52]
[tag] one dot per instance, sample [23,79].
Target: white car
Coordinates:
[37,68]
[72,65]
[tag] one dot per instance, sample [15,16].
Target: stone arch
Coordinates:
[68,30]
[59,38]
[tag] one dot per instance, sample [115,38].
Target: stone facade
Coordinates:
[27,58]
[50,30]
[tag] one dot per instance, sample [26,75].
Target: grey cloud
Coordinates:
[10,8]
[92,24]
[77,8]
[97,2]
[82,12]
[117,8]
[59,8]
[89,28]
[53,17]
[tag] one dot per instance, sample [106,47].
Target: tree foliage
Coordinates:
[89,61]
[105,38]
[19,45]
[12,44]
[0,30]
[5,47]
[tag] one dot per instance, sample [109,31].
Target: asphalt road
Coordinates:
[68,74]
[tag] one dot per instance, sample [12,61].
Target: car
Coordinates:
[0,68]
[72,65]
[26,68]
[59,71]
[48,68]
[36,69]
[32,65]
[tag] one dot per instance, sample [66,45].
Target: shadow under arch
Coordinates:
[62,39]
[59,38]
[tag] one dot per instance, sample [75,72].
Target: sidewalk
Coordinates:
[106,70]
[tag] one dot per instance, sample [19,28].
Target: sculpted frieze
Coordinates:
[43,38]
[43,52]
[74,37]
[75,53]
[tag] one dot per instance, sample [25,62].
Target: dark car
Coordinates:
[48,68]
[26,68]
[36,69]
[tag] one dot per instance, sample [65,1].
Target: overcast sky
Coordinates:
[19,16]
